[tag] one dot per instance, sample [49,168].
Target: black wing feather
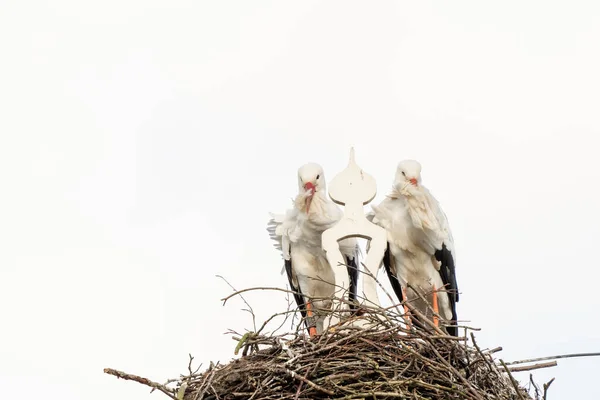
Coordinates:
[353,272]
[297,294]
[387,263]
[448,275]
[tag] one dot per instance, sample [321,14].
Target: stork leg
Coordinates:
[436,310]
[406,310]
[312,331]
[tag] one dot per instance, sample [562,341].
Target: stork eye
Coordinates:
[318,176]
[403,173]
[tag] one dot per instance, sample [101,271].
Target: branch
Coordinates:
[224,299]
[554,357]
[513,381]
[250,309]
[534,366]
[143,381]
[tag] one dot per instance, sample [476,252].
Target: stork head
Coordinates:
[408,173]
[311,180]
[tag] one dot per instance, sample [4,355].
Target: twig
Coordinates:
[308,382]
[143,381]
[513,381]
[190,366]
[250,310]
[534,366]
[554,357]
[495,350]
[535,386]
[224,299]
[207,381]
[479,351]
[547,386]
[462,378]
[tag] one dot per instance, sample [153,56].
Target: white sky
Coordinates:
[143,144]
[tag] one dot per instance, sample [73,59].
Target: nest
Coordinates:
[380,359]
[357,365]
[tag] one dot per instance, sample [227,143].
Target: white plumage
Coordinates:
[420,251]
[297,234]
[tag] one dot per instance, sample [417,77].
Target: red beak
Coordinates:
[311,187]
[413,181]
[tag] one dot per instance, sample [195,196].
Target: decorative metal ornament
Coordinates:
[353,188]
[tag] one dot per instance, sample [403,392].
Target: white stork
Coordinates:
[298,236]
[420,254]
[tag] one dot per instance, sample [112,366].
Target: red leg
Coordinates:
[312,331]
[436,310]
[406,310]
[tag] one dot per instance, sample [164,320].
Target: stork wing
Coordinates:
[283,229]
[274,229]
[442,220]
[280,228]
[447,257]
[389,262]
[448,275]
[297,293]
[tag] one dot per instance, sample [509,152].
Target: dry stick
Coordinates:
[190,366]
[325,348]
[513,381]
[207,382]
[308,371]
[373,395]
[546,386]
[286,313]
[224,299]
[495,350]
[425,385]
[255,393]
[250,310]
[471,328]
[139,379]
[424,359]
[427,320]
[451,338]
[300,384]
[535,386]
[424,300]
[554,357]
[442,359]
[467,352]
[451,368]
[308,382]
[480,352]
[534,366]
[289,309]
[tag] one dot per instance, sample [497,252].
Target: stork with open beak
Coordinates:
[298,235]
[420,256]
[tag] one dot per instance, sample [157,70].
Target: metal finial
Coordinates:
[352,160]
[353,188]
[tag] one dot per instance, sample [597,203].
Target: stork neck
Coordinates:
[319,197]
